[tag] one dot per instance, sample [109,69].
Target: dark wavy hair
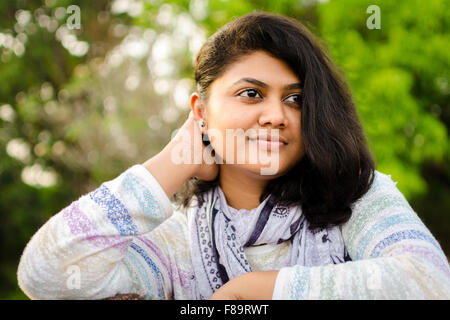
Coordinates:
[337,167]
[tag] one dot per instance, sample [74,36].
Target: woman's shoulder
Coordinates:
[382,181]
[377,206]
[383,188]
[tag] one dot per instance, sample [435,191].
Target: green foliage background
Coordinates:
[82,116]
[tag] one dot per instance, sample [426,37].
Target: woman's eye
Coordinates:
[251,93]
[298,100]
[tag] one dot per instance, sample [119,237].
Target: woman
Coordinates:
[319,223]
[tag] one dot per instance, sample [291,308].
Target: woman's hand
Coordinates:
[257,285]
[184,157]
[189,137]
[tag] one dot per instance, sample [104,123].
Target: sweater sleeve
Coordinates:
[91,248]
[394,256]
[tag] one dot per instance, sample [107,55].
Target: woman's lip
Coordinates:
[268,144]
[268,140]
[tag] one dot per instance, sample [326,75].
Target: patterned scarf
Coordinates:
[218,238]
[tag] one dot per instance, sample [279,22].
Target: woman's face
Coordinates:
[258,96]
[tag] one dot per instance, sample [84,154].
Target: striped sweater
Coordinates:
[128,237]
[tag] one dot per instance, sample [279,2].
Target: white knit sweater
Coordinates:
[127,237]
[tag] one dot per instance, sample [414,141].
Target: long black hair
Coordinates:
[337,167]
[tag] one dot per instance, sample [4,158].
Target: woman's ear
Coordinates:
[197,107]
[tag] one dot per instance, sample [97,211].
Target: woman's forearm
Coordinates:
[88,240]
[170,175]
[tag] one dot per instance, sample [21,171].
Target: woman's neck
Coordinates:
[241,190]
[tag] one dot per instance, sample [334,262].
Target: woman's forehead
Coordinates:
[261,68]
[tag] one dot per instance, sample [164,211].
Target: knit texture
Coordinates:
[218,239]
[127,237]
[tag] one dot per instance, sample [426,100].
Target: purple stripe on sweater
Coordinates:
[426,253]
[184,278]
[158,253]
[80,224]
[176,275]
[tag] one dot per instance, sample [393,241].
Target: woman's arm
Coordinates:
[395,256]
[80,252]
[95,248]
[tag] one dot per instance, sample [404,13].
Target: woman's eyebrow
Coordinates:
[297,85]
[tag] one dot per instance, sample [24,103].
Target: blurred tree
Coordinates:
[42,167]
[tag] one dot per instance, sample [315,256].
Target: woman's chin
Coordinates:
[263,171]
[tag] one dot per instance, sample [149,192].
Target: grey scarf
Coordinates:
[219,235]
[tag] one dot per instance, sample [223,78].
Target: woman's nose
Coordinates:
[274,114]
